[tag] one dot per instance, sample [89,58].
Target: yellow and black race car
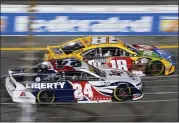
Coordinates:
[111,51]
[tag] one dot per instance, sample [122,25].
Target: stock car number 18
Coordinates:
[117,64]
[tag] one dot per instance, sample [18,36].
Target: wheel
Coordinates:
[155,68]
[122,93]
[45,97]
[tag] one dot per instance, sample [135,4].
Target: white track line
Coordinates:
[149,77]
[114,115]
[176,86]
[153,93]
[117,115]
[144,101]
[157,80]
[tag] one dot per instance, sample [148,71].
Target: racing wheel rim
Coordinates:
[122,93]
[45,97]
[156,68]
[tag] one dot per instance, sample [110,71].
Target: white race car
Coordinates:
[82,84]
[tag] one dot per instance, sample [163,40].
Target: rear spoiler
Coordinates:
[12,80]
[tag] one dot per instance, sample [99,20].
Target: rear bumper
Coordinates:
[16,93]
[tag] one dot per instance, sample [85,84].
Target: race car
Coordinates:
[109,50]
[82,83]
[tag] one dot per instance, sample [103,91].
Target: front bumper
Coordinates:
[169,70]
[19,94]
[137,96]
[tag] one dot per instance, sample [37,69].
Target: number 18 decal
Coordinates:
[80,92]
[119,64]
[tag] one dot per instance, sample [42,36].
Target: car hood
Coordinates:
[157,53]
[152,51]
[121,75]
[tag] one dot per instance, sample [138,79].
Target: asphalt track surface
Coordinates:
[159,104]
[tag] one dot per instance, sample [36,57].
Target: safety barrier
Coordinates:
[90,20]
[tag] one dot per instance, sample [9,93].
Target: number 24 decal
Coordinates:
[80,91]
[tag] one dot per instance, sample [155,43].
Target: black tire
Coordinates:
[45,97]
[122,93]
[155,68]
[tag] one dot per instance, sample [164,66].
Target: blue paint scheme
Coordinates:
[65,94]
[164,54]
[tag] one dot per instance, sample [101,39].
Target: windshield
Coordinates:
[97,71]
[69,48]
[130,47]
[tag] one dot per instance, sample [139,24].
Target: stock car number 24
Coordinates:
[82,89]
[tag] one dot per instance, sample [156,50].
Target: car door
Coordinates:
[117,58]
[84,86]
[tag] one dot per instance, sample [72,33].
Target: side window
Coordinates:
[55,77]
[90,54]
[88,77]
[79,75]
[111,51]
[114,51]
[73,75]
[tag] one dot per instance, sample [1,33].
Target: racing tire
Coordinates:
[122,93]
[155,68]
[45,97]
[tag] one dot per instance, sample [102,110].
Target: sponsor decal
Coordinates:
[65,24]
[169,24]
[3,23]
[91,24]
[22,94]
[46,85]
